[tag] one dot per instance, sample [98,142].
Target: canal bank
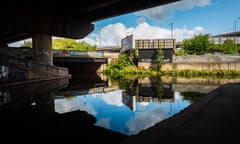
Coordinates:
[214,118]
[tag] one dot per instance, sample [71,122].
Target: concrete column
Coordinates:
[42,49]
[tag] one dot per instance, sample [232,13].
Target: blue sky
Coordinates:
[188,18]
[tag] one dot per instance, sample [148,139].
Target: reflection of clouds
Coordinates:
[82,103]
[178,96]
[113,98]
[104,122]
[143,120]
[66,105]
[142,105]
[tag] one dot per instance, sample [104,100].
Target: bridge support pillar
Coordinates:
[42,49]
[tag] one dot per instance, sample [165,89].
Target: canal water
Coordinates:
[125,107]
[121,110]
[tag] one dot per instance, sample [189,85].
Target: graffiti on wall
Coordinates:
[43,56]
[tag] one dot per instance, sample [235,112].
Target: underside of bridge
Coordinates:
[43,19]
[20,19]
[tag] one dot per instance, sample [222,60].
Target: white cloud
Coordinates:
[18,43]
[104,122]
[67,105]
[112,34]
[113,98]
[141,20]
[89,40]
[145,119]
[160,13]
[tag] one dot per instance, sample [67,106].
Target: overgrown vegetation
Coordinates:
[66,44]
[200,44]
[228,47]
[126,67]
[202,73]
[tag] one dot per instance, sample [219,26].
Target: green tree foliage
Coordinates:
[215,47]
[199,44]
[71,44]
[181,53]
[66,44]
[160,56]
[123,60]
[228,47]
[27,43]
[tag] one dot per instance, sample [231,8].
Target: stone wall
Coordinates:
[204,62]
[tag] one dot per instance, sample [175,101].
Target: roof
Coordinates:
[231,34]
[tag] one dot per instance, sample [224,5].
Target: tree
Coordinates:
[199,44]
[124,61]
[71,44]
[27,43]
[66,44]
[160,58]
[229,47]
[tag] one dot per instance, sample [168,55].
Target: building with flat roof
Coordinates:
[219,39]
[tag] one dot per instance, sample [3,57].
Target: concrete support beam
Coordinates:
[55,26]
[42,48]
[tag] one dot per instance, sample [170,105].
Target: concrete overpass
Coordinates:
[40,20]
[64,18]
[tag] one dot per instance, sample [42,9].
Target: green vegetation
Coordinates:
[228,47]
[27,43]
[125,67]
[192,96]
[70,44]
[202,73]
[65,44]
[200,44]
[160,58]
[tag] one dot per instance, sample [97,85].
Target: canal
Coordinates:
[96,109]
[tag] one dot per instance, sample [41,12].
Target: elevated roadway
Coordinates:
[40,20]
[63,18]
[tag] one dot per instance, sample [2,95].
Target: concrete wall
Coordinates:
[206,58]
[199,62]
[147,65]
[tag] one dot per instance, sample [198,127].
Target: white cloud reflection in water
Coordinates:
[144,119]
[111,113]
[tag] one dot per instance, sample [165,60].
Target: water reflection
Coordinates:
[31,108]
[122,105]
[125,106]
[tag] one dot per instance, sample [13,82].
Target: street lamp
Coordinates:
[235,28]
[171,24]
[99,34]
[236,23]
